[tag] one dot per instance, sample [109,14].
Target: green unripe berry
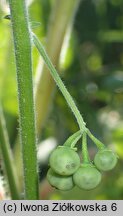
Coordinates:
[58,181]
[87,177]
[64,161]
[105,160]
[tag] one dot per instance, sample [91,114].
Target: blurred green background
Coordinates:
[91,64]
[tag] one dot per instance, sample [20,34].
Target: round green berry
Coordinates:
[105,160]
[87,177]
[64,161]
[58,181]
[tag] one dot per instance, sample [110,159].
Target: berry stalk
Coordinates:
[85,155]
[59,83]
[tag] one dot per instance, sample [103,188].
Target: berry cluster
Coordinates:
[66,171]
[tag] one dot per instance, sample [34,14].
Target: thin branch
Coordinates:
[8,158]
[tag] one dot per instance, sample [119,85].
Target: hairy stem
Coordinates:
[8,159]
[59,82]
[72,140]
[22,45]
[62,16]
[85,155]
[99,144]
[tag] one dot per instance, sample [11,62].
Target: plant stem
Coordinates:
[8,159]
[59,82]
[61,18]
[72,140]
[85,155]
[99,144]
[22,45]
